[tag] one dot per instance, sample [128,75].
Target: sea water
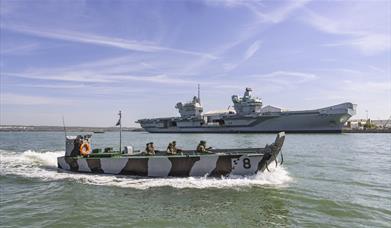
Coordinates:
[326,180]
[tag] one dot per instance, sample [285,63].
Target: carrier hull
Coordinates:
[327,120]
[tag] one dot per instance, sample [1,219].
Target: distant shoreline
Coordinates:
[381,130]
[21,128]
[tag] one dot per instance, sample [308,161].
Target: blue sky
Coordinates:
[88,59]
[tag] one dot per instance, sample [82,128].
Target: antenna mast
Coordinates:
[199,97]
[120,131]
[65,130]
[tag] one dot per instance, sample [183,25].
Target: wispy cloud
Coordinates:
[339,70]
[95,77]
[252,50]
[19,99]
[280,14]
[274,15]
[367,43]
[365,36]
[377,69]
[60,76]
[161,79]
[101,40]
[54,86]
[263,17]
[370,86]
[286,77]
[229,87]
[110,70]
[20,49]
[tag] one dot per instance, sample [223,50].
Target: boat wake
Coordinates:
[43,165]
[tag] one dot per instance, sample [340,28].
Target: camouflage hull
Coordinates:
[164,166]
[217,162]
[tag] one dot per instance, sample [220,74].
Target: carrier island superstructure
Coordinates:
[249,116]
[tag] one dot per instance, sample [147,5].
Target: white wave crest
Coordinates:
[43,165]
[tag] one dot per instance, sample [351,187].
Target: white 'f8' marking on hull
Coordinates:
[83,165]
[205,165]
[63,164]
[245,165]
[159,166]
[113,165]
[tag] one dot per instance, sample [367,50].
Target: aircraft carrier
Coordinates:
[249,116]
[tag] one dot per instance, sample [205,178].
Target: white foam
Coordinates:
[43,165]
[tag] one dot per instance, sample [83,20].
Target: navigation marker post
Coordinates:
[120,130]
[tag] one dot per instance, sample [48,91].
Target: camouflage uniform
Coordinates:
[150,150]
[170,149]
[201,148]
[176,150]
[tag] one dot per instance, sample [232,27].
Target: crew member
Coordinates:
[170,149]
[176,150]
[201,148]
[150,149]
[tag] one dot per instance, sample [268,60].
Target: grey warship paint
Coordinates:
[249,116]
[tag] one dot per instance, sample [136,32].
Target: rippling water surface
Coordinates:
[340,180]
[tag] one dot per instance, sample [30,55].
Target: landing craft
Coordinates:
[215,162]
[249,116]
